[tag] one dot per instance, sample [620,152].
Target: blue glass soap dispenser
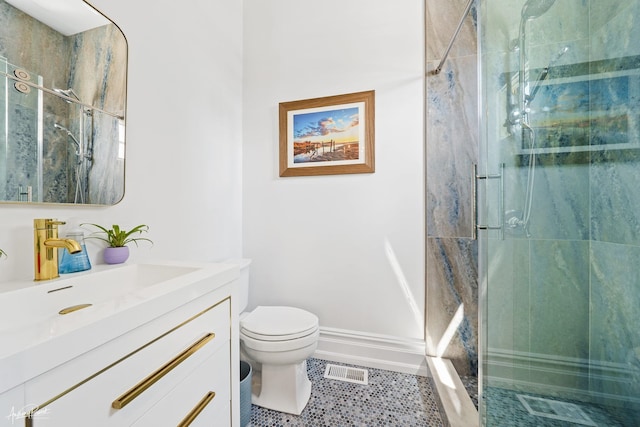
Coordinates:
[72,263]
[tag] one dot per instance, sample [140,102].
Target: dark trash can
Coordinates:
[245,393]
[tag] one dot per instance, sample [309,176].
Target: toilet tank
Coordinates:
[243,281]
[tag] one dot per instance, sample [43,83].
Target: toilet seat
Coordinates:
[276,338]
[278,323]
[284,345]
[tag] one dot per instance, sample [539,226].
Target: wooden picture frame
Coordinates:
[327,136]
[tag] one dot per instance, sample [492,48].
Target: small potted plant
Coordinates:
[117,238]
[2,253]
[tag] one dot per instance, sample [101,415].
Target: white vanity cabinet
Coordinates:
[171,371]
[193,400]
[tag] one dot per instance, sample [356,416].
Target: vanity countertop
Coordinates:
[35,337]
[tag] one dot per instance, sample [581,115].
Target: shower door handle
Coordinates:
[476,226]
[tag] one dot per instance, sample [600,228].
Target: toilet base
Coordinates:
[283,388]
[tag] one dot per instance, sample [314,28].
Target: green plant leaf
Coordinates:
[117,237]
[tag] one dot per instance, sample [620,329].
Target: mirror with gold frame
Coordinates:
[63,79]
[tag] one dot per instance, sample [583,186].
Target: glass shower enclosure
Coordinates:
[560,212]
[46,142]
[20,145]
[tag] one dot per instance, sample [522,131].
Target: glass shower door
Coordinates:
[20,136]
[560,278]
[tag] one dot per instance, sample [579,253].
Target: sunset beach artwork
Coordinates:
[330,135]
[327,136]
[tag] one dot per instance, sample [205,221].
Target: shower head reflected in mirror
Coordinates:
[81,165]
[73,138]
[533,9]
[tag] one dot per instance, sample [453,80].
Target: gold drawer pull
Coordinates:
[139,388]
[73,308]
[197,409]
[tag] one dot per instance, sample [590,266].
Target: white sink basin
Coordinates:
[44,300]
[114,300]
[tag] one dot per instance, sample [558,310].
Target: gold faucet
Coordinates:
[45,244]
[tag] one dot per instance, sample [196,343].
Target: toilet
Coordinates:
[276,341]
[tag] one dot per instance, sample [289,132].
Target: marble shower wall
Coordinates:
[93,76]
[100,80]
[452,150]
[615,227]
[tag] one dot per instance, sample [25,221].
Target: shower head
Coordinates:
[64,129]
[59,126]
[544,73]
[533,9]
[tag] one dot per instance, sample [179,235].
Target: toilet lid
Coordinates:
[275,322]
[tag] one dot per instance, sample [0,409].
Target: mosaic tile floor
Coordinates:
[390,399]
[505,409]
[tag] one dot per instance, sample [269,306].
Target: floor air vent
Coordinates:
[347,373]
[563,411]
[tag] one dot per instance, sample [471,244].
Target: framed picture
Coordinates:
[327,136]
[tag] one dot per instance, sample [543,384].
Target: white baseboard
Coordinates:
[372,351]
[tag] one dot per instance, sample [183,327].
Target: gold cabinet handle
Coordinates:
[73,308]
[139,388]
[197,409]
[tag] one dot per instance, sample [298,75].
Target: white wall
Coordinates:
[349,248]
[184,146]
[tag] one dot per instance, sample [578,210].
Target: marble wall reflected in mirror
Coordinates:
[63,69]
